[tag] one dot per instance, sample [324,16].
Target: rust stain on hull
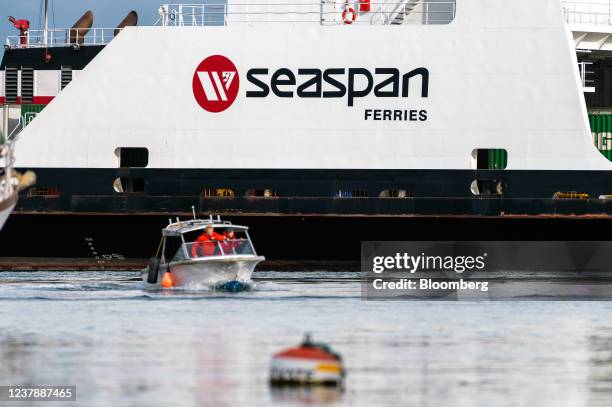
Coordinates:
[73,264]
[326,215]
[86,264]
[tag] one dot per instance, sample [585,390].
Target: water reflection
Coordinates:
[125,347]
[600,366]
[14,355]
[304,395]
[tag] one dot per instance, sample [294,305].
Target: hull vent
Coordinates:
[10,85]
[27,85]
[66,76]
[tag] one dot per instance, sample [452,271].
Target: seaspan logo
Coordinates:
[216,83]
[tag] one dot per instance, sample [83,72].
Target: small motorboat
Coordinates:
[309,364]
[203,252]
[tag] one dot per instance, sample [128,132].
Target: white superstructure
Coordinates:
[590,22]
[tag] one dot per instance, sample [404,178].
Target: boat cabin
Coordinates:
[204,239]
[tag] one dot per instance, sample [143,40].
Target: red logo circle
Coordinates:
[215,83]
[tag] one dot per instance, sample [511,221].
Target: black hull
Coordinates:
[108,237]
[87,218]
[167,189]
[314,192]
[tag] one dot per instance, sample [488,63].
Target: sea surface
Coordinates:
[123,345]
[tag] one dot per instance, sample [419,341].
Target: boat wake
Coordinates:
[227,286]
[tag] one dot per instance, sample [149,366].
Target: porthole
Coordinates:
[129,185]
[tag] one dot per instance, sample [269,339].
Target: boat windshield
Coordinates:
[198,245]
[228,247]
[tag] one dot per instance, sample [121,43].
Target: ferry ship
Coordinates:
[336,120]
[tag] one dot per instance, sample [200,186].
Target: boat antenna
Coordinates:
[46,31]
[169,221]
[193,211]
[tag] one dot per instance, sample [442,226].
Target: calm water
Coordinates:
[121,345]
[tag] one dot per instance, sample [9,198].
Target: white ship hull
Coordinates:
[212,272]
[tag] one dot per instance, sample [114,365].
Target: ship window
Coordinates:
[173,245]
[132,156]
[264,193]
[66,76]
[434,11]
[394,193]
[489,159]
[570,195]
[10,84]
[487,187]
[27,85]
[126,185]
[355,193]
[218,193]
[49,192]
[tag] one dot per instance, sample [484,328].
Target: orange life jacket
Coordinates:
[206,244]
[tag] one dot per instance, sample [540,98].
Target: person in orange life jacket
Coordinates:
[205,244]
[230,244]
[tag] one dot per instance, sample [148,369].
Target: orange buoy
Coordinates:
[167,280]
[310,363]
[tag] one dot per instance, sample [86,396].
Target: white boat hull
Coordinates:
[212,271]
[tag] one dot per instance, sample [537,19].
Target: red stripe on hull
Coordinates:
[42,100]
[36,100]
[306,353]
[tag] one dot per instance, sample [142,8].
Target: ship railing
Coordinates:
[195,250]
[588,85]
[388,11]
[7,187]
[324,12]
[413,12]
[62,37]
[587,12]
[12,135]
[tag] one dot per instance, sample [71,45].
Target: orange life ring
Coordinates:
[345,13]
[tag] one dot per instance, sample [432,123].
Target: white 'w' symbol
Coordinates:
[215,85]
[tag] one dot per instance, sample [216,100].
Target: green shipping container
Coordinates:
[29,112]
[601,128]
[606,136]
[498,159]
